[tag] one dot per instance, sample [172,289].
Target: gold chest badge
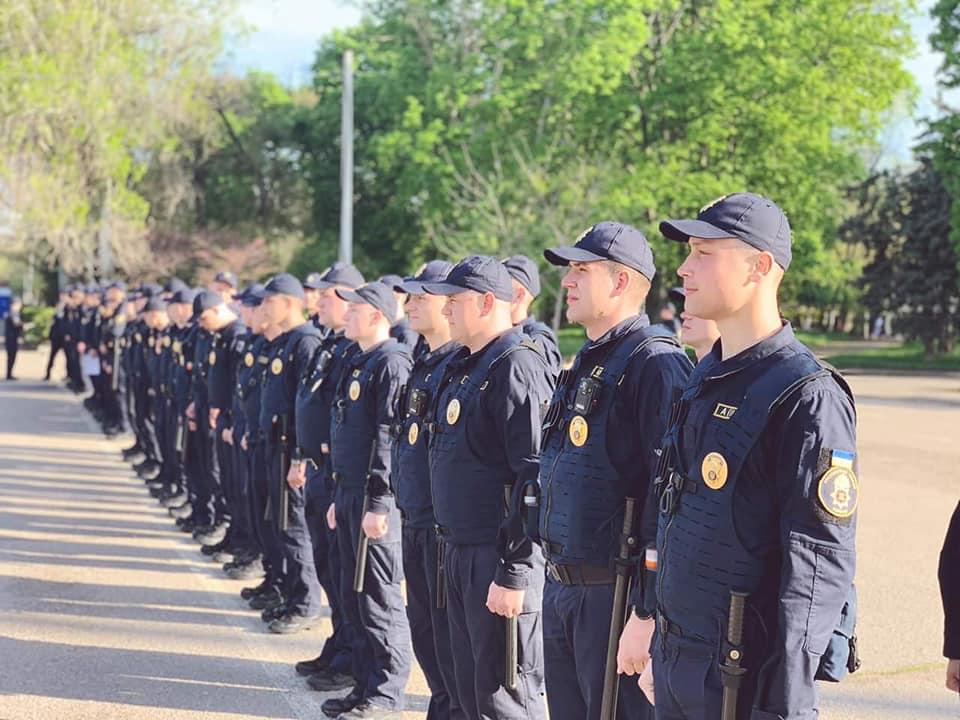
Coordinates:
[248,359]
[212,357]
[579,430]
[714,471]
[151,341]
[453,411]
[166,341]
[413,433]
[177,346]
[138,337]
[276,367]
[354,390]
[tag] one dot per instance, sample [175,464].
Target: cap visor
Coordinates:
[350,296]
[683,230]
[443,288]
[411,287]
[566,255]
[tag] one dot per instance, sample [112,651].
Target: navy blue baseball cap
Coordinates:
[608,240]
[754,219]
[393,281]
[156,304]
[226,277]
[174,284]
[524,271]
[283,284]
[313,281]
[341,273]
[148,290]
[204,300]
[433,271]
[479,273]
[376,294]
[253,295]
[185,296]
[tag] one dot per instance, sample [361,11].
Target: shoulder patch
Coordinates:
[838,490]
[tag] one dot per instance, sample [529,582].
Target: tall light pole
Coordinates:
[346,161]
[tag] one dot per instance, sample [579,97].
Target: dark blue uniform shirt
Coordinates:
[760,496]
[485,436]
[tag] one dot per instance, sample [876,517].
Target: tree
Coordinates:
[904,221]
[486,124]
[90,92]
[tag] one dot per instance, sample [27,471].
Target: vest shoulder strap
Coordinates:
[780,381]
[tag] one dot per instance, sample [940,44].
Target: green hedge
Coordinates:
[37,320]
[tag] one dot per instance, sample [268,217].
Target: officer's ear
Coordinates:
[486,302]
[762,266]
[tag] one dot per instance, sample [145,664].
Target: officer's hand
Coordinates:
[214,413]
[375,525]
[504,601]
[633,654]
[243,442]
[227,436]
[953,675]
[297,475]
[192,425]
[645,681]
[191,411]
[332,516]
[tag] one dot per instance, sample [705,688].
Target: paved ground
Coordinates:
[105,613]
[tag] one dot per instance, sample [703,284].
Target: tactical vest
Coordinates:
[718,422]
[355,428]
[410,469]
[315,395]
[278,394]
[582,497]
[467,481]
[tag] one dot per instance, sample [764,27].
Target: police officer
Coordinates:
[56,333]
[312,285]
[291,356]
[362,415]
[699,334]
[246,561]
[758,491]
[176,494]
[12,329]
[206,521]
[605,423]
[71,331]
[525,276]
[224,357]
[410,476]
[225,285]
[484,445]
[113,323]
[331,669]
[400,329]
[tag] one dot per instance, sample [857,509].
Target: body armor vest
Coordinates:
[582,498]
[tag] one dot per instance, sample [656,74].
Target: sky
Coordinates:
[283,35]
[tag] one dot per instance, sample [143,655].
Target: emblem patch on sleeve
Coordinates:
[839,489]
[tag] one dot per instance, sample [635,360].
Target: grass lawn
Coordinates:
[908,356]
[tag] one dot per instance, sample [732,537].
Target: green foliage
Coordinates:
[89,92]
[37,320]
[510,125]
[904,222]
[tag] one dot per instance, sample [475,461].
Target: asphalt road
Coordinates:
[106,613]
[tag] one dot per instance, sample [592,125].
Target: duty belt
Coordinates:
[580,574]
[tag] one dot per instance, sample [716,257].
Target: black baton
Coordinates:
[611,680]
[510,661]
[731,671]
